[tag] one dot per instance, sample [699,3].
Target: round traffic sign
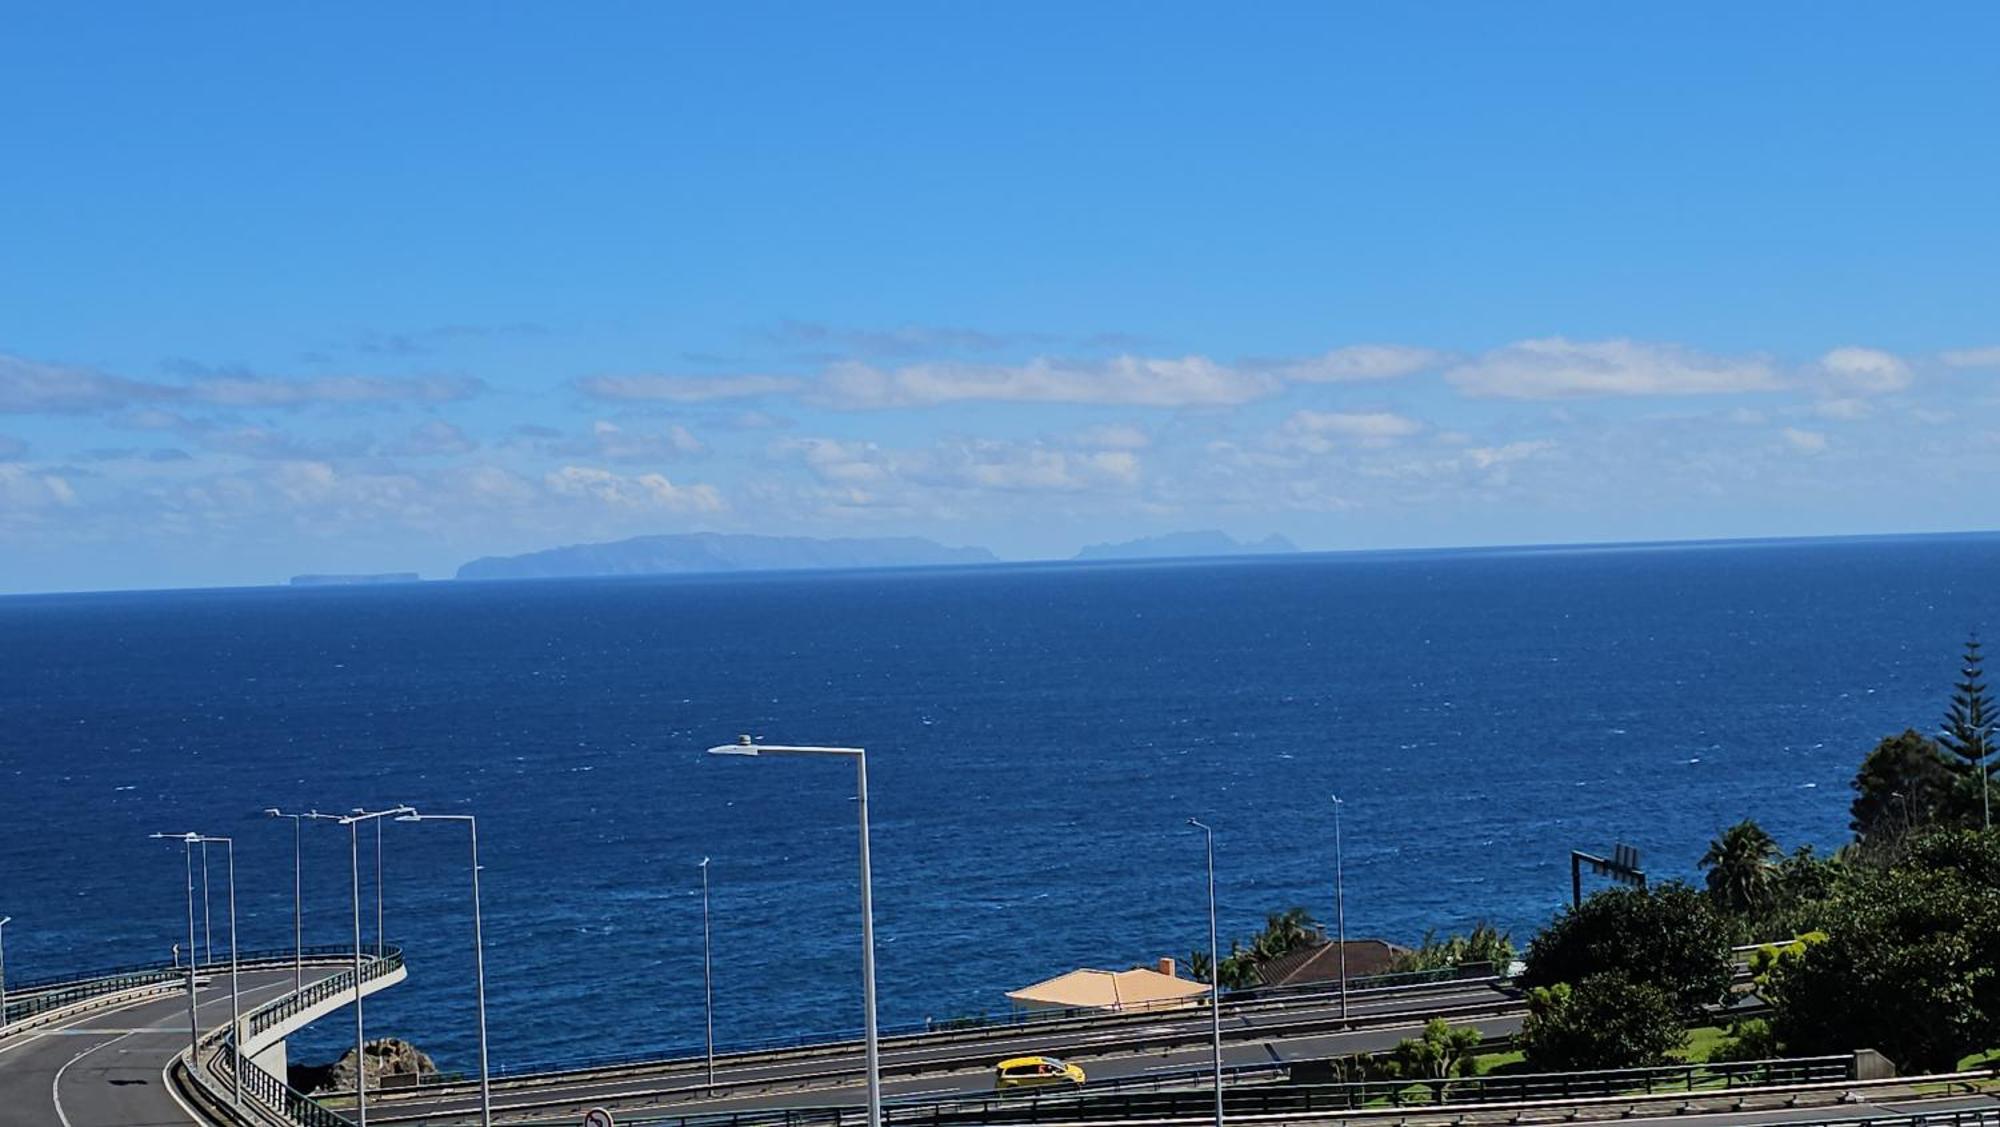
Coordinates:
[597,1117]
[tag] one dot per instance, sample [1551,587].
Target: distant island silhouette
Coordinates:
[706,552]
[1180,545]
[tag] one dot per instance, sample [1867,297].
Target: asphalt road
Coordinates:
[1250,1037]
[1867,1109]
[107,1068]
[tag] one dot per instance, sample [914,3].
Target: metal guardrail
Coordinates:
[26,1000]
[270,1092]
[372,968]
[1022,1020]
[1299,1099]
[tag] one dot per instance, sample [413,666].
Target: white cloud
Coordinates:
[1973,357]
[1317,432]
[1489,457]
[28,386]
[607,441]
[24,489]
[1111,436]
[685,389]
[1847,409]
[1362,362]
[1377,424]
[1805,441]
[649,490]
[273,391]
[1864,371]
[1555,367]
[921,477]
[1188,381]
[433,438]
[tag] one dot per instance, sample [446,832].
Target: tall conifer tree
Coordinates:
[1969,726]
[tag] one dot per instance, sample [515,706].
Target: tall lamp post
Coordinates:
[298,897]
[707,975]
[4,921]
[194,1020]
[1214,971]
[1340,903]
[745,746]
[478,951]
[207,932]
[353,823]
[235,993]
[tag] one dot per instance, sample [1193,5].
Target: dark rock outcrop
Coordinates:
[391,1062]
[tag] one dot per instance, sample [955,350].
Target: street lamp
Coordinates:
[745,746]
[4,921]
[1340,903]
[1214,970]
[207,933]
[194,1021]
[353,822]
[707,975]
[235,1003]
[298,898]
[478,950]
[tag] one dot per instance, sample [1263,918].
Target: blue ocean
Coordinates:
[1038,736]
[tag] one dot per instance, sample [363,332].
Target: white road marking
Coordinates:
[55,1086]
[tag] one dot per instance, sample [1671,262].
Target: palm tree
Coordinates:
[1197,965]
[1741,867]
[1284,932]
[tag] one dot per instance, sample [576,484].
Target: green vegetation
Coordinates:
[1742,869]
[1908,966]
[1904,783]
[1896,937]
[1968,735]
[1483,944]
[1606,1020]
[1668,937]
[1444,1051]
[1284,932]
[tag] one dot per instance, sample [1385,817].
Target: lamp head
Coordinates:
[271,812]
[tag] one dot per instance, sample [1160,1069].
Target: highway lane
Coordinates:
[1251,1036]
[1866,1109]
[106,1068]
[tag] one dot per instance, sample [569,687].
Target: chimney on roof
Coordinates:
[1166,966]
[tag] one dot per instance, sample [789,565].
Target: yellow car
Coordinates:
[1036,1072]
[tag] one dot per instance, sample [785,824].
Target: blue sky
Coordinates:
[289,289]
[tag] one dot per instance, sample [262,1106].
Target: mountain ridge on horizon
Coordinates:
[691,553]
[1187,545]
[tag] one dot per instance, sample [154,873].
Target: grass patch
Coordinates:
[1703,1040]
[1980,1060]
[1486,1064]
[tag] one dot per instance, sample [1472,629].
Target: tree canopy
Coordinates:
[1904,785]
[1742,869]
[1910,965]
[1668,936]
[1606,1020]
[1967,735]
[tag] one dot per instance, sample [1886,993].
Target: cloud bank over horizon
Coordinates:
[1336,449]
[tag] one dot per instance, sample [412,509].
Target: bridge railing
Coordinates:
[213,1070]
[25,1000]
[372,968]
